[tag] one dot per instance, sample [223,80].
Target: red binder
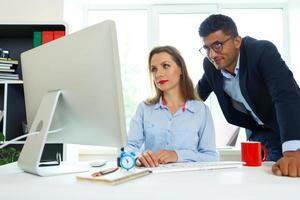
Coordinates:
[47,36]
[58,34]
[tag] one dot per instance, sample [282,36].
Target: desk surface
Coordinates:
[239,183]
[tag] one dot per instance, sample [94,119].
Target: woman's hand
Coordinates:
[166,156]
[147,159]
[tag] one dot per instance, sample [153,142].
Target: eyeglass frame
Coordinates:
[213,47]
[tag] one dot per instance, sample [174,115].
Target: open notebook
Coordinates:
[115,178]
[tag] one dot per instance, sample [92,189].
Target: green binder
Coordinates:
[37,38]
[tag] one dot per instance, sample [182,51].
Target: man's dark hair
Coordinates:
[218,22]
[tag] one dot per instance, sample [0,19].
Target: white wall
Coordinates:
[294,32]
[31,10]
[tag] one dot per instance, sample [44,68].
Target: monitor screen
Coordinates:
[84,66]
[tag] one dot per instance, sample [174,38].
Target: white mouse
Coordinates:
[97,163]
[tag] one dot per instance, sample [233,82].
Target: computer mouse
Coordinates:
[97,163]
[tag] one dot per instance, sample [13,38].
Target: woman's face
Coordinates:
[165,72]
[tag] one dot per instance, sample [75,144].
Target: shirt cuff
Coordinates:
[291,145]
[180,156]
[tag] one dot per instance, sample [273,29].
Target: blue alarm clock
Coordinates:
[127,160]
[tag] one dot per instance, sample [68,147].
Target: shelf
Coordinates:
[11,82]
[18,38]
[15,30]
[16,142]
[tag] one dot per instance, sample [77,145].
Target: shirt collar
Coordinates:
[236,70]
[187,106]
[160,104]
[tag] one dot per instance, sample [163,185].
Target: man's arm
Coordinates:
[285,95]
[284,91]
[203,88]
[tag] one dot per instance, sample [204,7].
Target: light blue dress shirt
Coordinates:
[232,88]
[189,132]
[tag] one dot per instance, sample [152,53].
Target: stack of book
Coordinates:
[8,68]
[43,37]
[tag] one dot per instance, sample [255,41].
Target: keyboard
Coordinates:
[195,166]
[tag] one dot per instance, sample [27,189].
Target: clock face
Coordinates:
[127,162]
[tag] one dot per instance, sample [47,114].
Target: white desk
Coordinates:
[239,183]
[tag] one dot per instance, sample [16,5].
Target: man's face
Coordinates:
[222,50]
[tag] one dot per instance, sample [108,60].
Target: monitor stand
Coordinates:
[31,154]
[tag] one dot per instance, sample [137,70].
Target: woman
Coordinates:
[173,126]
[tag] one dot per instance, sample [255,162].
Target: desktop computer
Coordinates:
[73,94]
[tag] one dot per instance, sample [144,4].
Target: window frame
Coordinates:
[154,10]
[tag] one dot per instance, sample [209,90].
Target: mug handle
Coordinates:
[264,148]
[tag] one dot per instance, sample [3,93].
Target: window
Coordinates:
[258,23]
[142,27]
[132,28]
[132,38]
[178,26]
[180,29]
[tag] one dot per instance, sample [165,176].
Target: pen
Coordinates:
[104,172]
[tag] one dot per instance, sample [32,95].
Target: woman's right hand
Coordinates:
[147,159]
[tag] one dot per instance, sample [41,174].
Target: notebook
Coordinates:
[120,176]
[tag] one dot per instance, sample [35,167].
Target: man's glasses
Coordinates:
[217,47]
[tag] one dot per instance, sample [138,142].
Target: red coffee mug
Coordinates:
[251,153]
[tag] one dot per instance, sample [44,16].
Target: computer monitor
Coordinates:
[74,85]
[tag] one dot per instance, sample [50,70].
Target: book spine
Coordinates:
[8,61]
[37,38]
[47,36]
[7,65]
[58,34]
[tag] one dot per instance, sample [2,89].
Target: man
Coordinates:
[255,90]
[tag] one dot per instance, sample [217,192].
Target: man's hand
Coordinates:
[166,156]
[288,165]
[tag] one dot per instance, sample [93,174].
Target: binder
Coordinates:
[58,34]
[37,38]
[47,36]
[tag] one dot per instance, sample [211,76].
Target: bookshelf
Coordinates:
[17,38]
